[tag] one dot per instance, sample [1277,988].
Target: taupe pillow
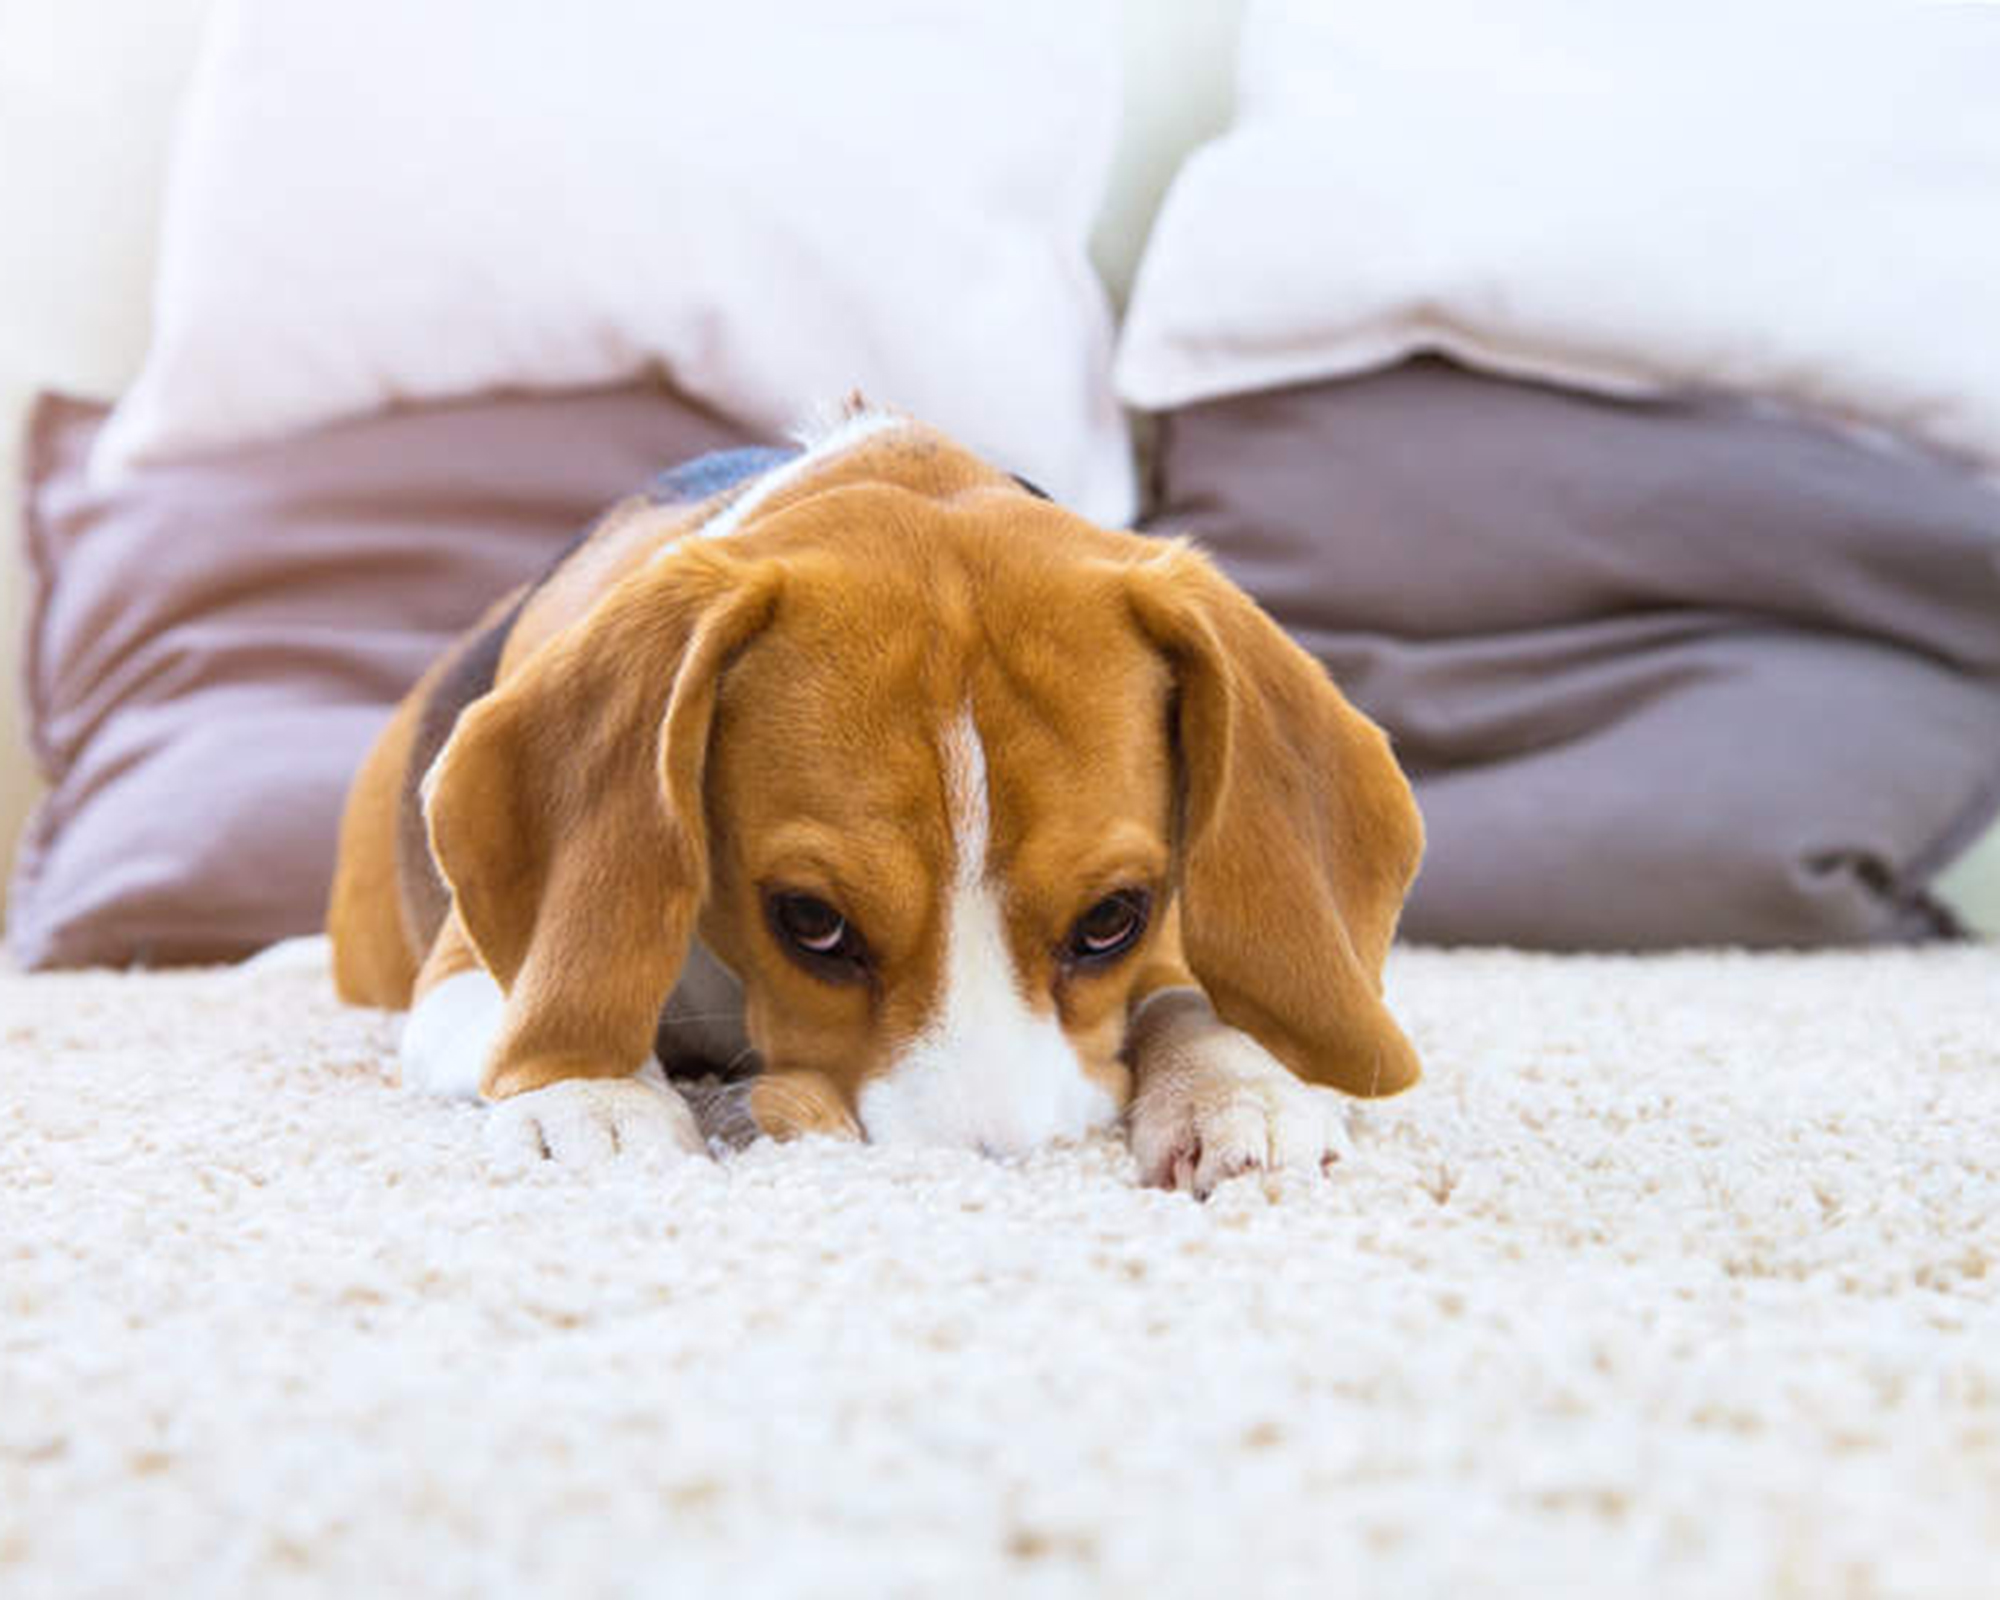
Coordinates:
[213,644]
[1663,673]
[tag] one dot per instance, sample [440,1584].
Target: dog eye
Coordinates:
[815,930]
[1109,928]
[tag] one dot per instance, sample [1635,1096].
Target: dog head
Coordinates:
[952,780]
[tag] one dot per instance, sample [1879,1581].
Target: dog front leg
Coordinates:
[564,1105]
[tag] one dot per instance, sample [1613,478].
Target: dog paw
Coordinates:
[582,1122]
[1213,1104]
[792,1105]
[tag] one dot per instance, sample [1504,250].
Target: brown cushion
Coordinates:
[213,644]
[1663,673]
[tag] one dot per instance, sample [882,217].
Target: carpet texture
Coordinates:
[1679,1276]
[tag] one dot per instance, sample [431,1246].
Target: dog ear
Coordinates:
[1299,835]
[566,814]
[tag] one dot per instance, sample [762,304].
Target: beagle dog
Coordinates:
[957,817]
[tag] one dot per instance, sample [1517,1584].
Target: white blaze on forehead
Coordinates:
[820,447]
[988,1071]
[968,801]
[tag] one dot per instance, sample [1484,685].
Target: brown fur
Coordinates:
[678,728]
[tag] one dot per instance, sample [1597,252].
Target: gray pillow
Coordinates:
[1663,673]
[214,643]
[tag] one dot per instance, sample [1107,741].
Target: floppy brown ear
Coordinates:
[566,814]
[1299,833]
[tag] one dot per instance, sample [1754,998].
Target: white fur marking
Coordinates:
[966,795]
[988,1072]
[449,1033]
[820,448]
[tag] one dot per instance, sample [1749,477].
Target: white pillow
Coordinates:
[773,201]
[1795,200]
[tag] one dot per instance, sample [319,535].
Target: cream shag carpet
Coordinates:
[1680,1276]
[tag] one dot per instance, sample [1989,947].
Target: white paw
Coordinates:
[449,1033]
[584,1121]
[1213,1103]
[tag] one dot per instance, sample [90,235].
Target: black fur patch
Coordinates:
[468,675]
[711,474]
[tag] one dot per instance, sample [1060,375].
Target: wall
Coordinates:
[87,95]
